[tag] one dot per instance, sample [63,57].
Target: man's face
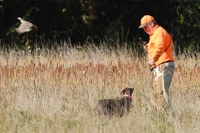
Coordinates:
[148,28]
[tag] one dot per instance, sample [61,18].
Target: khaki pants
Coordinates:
[162,80]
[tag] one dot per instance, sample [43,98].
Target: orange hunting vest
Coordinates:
[159,46]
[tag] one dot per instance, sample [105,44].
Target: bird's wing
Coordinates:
[26,24]
[23,28]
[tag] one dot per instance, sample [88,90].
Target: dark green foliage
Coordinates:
[96,21]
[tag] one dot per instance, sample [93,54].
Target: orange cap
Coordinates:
[144,20]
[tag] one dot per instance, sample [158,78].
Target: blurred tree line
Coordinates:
[82,21]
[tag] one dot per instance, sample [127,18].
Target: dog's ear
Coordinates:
[123,91]
[131,90]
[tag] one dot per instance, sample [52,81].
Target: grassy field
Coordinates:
[55,91]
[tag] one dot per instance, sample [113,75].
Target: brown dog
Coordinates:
[117,107]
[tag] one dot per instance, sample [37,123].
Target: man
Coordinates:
[161,60]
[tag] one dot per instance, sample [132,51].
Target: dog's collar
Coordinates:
[128,96]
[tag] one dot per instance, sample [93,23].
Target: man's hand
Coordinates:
[150,62]
[145,47]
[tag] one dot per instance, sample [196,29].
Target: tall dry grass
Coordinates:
[56,90]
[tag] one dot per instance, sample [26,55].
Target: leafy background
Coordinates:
[82,21]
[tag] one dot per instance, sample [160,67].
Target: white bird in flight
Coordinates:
[25,26]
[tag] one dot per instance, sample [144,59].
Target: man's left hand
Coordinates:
[150,62]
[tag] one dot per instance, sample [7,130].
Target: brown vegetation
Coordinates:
[57,92]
